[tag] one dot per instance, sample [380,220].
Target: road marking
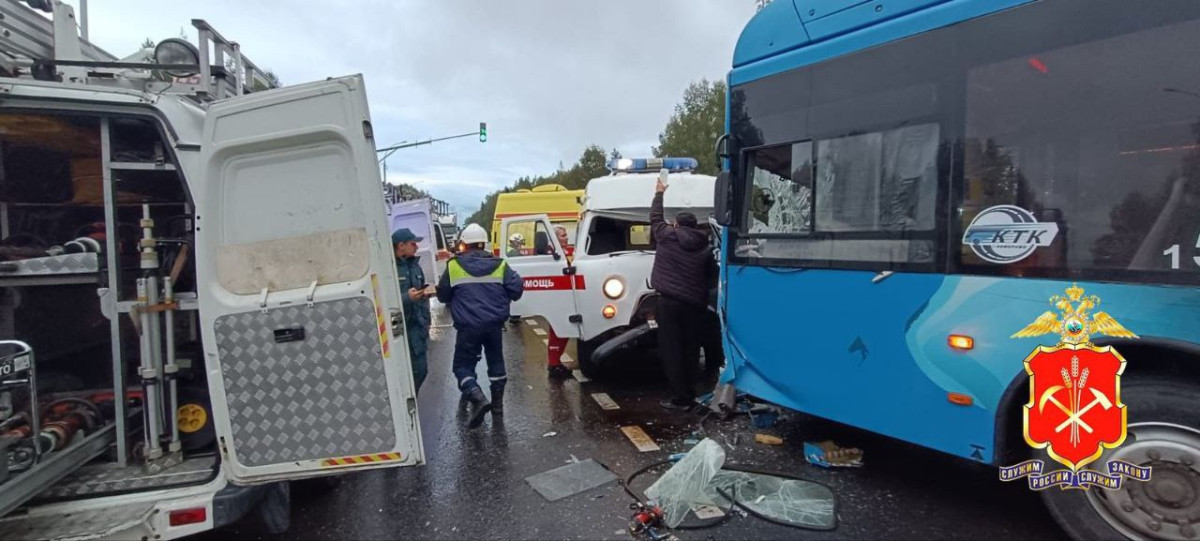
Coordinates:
[539,331]
[531,322]
[606,402]
[566,358]
[639,438]
[580,377]
[545,341]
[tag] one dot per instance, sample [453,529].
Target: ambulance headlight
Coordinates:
[614,288]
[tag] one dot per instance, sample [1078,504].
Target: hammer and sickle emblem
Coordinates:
[1074,416]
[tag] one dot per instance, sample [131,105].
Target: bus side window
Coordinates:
[781,190]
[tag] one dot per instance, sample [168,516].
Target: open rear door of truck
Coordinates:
[416,216]
[298,288]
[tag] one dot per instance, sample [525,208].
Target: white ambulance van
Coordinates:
[602,296]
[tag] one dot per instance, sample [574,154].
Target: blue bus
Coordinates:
[908,181]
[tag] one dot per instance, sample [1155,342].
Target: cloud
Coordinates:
[548,76]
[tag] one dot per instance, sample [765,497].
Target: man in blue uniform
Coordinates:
[479,289]
[415,298]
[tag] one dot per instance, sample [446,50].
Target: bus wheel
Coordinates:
[589,367]
[1163,434]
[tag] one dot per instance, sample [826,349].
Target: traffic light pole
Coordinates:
[394,148]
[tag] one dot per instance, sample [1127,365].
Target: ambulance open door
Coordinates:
[530,247]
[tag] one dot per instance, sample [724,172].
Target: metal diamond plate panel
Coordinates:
[80,525]
[106,478]
[54,265]
[322,396]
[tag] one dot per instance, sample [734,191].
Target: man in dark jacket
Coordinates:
[683,266]
[479,289]
[415,299]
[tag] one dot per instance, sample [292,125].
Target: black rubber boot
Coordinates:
[497,400]
[479,407]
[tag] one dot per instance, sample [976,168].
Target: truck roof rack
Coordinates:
[37,47]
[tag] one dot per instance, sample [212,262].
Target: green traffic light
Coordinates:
[483,132]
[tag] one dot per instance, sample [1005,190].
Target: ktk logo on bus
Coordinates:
[1075,410]
[1006,234]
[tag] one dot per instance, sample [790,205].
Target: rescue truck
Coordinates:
[560,205]
[602,296]
[198,299]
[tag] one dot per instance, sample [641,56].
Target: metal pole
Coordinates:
[151,334]
[114,289]
[425,142]
[204,36]
[170,370]
[238,70]
[83,19]
[152,405]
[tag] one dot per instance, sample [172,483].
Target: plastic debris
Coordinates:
[707,512]
[606,402]
[639,438]
[571,479]
[829,455]
[691,441]
[764,416]
[768,439]
[550,434]
[686,483]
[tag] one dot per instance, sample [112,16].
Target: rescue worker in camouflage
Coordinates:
[415,299]
[479,289]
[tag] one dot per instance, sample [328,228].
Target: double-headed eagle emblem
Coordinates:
[1076,324]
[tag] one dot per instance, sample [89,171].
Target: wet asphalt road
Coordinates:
[473,485]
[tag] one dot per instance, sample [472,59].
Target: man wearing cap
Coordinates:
[414,295]
[683,266]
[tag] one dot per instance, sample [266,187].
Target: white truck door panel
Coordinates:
[549,290]
[298,284]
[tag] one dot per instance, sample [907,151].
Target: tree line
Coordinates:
[692,131]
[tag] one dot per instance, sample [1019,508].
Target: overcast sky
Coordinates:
[548,76]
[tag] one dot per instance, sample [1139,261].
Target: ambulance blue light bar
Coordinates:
[652,165]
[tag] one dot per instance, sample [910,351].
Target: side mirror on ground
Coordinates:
[722,199]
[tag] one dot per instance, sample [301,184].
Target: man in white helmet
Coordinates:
[479,288]
[516,241]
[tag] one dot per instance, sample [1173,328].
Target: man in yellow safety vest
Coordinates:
[479,288]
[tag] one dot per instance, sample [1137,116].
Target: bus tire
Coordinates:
[590,368]
[1161,411]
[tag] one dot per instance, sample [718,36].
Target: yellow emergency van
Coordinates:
[561,205]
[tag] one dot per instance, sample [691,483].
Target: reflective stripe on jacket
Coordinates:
[479,289]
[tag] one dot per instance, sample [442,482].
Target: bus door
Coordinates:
[529,246]
[298,286]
